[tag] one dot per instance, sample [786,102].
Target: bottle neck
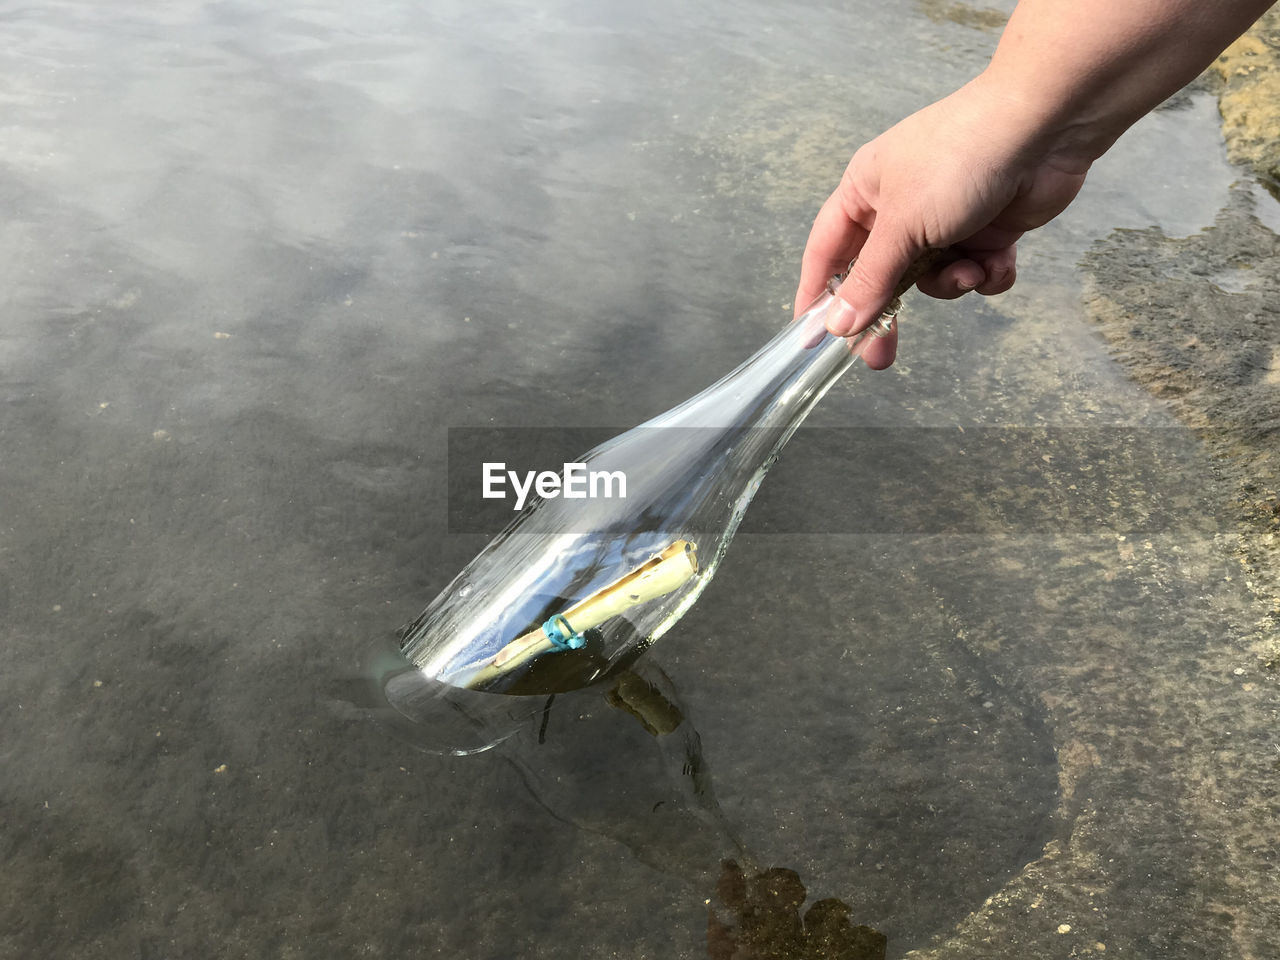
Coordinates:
[778,385]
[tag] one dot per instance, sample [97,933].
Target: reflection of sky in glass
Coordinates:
[691,471]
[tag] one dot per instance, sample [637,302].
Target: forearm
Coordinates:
[1007,152]
[1081,72]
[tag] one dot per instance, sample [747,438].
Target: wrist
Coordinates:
[1019,127]
[1082,73]
[1049,124]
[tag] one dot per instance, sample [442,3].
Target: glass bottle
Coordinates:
[575,589]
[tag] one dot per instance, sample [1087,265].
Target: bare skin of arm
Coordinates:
[1007,152]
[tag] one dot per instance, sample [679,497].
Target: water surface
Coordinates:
[257,258]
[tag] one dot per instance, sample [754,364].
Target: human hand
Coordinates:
[971,173]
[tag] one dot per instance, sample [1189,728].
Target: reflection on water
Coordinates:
[257,257]
[625,760]
[593,770]
[658,800]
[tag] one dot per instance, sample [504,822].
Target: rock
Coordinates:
[1249,98]
[1195,321]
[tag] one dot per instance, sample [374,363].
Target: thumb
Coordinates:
[868,290]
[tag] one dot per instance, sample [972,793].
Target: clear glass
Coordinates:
[575,589]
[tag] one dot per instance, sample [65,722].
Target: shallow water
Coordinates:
[257,258]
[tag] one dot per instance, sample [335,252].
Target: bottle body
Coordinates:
[575,589]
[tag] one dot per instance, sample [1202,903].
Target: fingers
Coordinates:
[866,293]
[988,272]
[1000,267]
[953,280]
[834,240]
[880,352]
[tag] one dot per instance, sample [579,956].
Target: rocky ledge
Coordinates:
[1248,79]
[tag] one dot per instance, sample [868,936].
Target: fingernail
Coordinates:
[841,318]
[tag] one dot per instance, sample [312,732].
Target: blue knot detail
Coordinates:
[563,636]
